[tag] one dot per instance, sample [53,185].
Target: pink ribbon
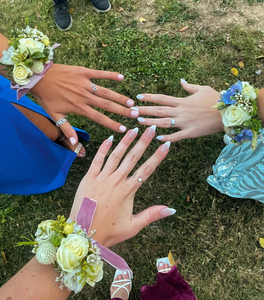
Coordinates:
[22,90]
[84,218]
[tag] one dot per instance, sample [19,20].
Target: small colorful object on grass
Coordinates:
[239,110]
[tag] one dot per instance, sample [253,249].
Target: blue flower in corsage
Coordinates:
[238,107]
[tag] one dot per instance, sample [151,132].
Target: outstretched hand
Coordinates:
[194,114]
[68,89]
[114,190]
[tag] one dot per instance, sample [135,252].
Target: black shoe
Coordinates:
[101,5]
[62,17]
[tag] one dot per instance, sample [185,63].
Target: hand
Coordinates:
[194,115]
[114,190]
[67,89]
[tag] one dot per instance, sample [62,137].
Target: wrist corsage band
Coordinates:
[27,58]
[239,110]
[75,254]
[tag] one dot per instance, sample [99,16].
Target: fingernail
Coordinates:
[151,130]
[122,128]
[165,146]
[120,76]
[160,137]
[134,113]
[183,81]
[168,212]
[109,140]
[142,120]
[140,97]
[72,140]
[133,132]
[130,102]
[134,108]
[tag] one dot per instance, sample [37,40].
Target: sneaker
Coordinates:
[101,5]
[62,17]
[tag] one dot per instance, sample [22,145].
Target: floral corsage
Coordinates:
[239,110]
[66,245]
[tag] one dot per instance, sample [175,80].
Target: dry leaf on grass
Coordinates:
[142,20]
[120,9]
[4,257]
[184,28]
[241,64]
[104,45]
[71,10]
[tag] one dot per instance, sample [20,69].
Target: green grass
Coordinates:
[214,238]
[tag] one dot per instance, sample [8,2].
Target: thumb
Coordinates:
[69,132]
[150,215]
[191,88]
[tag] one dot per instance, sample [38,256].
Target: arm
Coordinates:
[114,220]
[3,46]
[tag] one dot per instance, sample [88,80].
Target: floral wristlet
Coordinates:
[28,57]
[239,110]
[75,254]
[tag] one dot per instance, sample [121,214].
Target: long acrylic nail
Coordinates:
[122,128]
[133,132]
[160,137]
[140,97]
[165,146]
[72,140]
[109,140]
[142,120]
[120,76]
[130,102]
[168,212]
[151,129]
[183,81]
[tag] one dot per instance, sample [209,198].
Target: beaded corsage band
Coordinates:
[239,110]
[28,57]
[74,254]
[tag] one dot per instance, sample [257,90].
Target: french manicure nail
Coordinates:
[183,81]
[130,102]
[160,137]
[151,129]
[72,140]
[140,97]
[165,146]
[134,108]
[109,140]
[133,133]
[168,212]
[142,120]
[122,128]
[120,76]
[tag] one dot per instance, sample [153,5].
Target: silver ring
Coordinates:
[93,86]
[61,122]
[172,122]
[134,175]
[140,179]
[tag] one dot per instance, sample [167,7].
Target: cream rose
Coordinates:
[234,116]
[71,251]
[46,226]
[32,45]
[21,73]
[23,50]
[95,270]
[248,91]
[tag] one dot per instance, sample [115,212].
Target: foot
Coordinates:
[121,286]
[163,268]
[79,149]
[101,5]
[62,17]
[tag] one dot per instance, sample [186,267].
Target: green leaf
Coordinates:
[38,55]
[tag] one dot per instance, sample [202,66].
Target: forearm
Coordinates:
[3,46]
[261,103]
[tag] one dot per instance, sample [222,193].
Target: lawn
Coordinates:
[214,238]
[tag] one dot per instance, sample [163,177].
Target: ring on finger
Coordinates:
[172,122]
[61,122]
[140,179]
[93,86]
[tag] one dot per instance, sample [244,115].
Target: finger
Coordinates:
[99,158]
[104,75]
[136,152]
[191,88]
[159,98]
[143,173]
[116,156]
[158,111]
[149,216]
[67,130]
[101,119]
[110,95]
[177,136]
[163,123]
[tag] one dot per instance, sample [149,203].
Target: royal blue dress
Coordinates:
[239,172]
[31,162]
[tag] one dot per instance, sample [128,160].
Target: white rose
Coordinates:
[46,226]
[6,59]
[96,270]
[234,116]
[21,73]
[248,91]
[37,67]
[71,251]
[32,45]
[23,50]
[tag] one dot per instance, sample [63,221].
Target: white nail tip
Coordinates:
[168,144]
[134,108]
[153,127]
[172,210]
[111,138]
[135,130]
